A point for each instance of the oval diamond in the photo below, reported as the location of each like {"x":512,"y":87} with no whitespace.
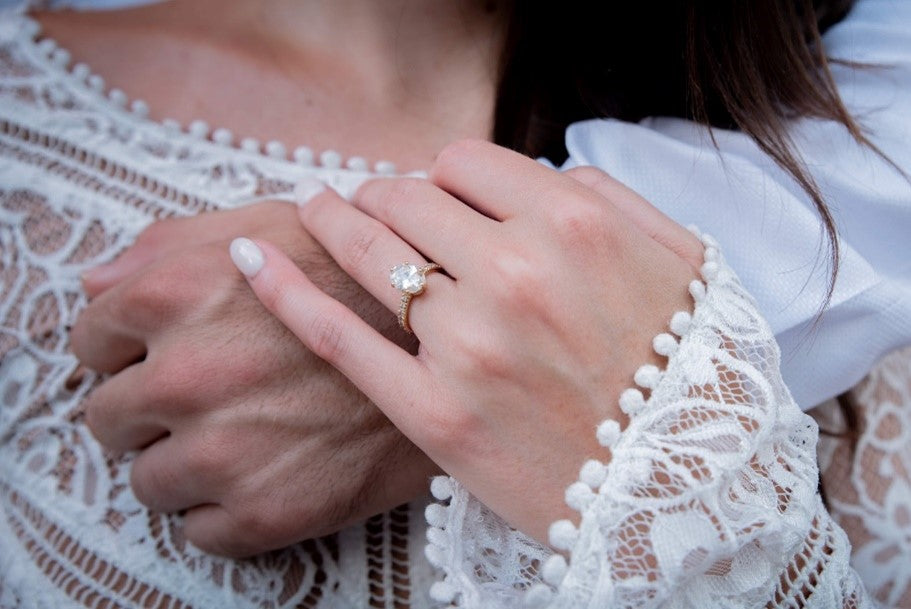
{"x":407,"y":278}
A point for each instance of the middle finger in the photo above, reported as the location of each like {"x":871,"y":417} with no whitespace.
{"x":441,"y":226}
{"x":365,"y":248}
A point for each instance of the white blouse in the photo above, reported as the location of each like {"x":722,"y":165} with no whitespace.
{"x":711,"y":492}
{"x":768,"y":226}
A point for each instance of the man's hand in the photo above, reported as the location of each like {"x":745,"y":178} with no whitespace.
{"x":262,"y":443}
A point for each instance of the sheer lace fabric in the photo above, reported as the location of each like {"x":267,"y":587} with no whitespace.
{"x":81,"y":176}
{"x":868,"y":485}
{"x":709,"y":498}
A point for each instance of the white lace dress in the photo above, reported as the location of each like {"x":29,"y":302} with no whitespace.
{"x":709,"y":499}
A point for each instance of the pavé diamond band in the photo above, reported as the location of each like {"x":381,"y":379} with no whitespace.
{"x":410,"y":280}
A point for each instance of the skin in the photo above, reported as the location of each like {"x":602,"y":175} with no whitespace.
{"x":394,"y":80}
{"x":527,"y":339}
{"x":200,"y":373}
{"x":224,"y":406}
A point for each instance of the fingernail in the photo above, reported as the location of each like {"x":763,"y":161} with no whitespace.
{"x":306,"y":189}
{"x":247,"y":256}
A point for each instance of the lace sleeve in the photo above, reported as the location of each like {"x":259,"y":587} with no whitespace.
{"x":709,"y":497}
{"x":865,"y":467}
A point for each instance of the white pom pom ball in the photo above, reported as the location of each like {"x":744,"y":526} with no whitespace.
{"x":554,"y":570}
{"x":681,"y":322}
{"x":435,"y":515}
{"x":648,"y":376}
{"x":593,"y":473}
{"x":579,"y":496}
{"x":697,"y":290}
{"x":443,"y":592}
{"x":664,"y":344}
{"x":538,"y":596}
{"x":563,"y":535}
{"x":709,"y":271}
{"x":631,"y":401}
{"x":609,"y":431}
{"x":441,"y":488}
{"x":434,"y":555}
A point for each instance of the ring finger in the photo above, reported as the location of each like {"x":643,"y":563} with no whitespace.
{"x":367,"y":250}
{"x":166,"y":479}
{"x":120,"y":417}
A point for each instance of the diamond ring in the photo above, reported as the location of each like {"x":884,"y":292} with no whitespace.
{"x":410,"y":280}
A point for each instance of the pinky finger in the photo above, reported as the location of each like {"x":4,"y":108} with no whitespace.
{"x":391,"y":377}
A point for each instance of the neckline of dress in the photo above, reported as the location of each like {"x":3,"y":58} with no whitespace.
{"x":137,"y":109}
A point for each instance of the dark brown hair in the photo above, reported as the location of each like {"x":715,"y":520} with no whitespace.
{"x":750,"y":65}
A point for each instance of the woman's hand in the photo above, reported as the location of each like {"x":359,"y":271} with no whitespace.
{"x":235,"y":421}
{"x":554,"y":286}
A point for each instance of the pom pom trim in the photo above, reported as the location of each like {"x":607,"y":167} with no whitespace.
{"x":563,"y":534}
{"x":59,"y":58}
{"x":580,"y":495}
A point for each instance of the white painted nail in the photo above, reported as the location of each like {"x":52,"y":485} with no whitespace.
{"x":306,"y":189}
{"x":247,"y":256}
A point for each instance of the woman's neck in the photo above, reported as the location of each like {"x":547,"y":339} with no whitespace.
{"x":395,"y":48}
{"x":393,"y":78}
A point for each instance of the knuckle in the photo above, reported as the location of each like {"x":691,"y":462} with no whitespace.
{"x":483,"y":359}
{"x":257,"y":527}
{"x":81,"y":333}
{"x":590,"y":176}
{"x":175,"y":379}
{"x":360,"y":246}
{"x":452,"y":430}
{"x":327,"y":338}
{"x":578,"y":223}
{"x":147,"y":483}
{"x":168,"y":291}
{"x":209,"y":454}
{"x":395,"y":193}
{"x":454,"y":155}
{"x":517,"y":279}
{"x":149,"y":301}
{"x":97,"y":418}
{"x":230,"y":543}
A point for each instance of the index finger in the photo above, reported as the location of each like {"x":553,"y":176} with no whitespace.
{"x":393,"y":379}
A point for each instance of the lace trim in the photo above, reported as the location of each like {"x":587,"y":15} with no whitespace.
{"x":58,"y":58}
{"x":80,"y":180}
{"x":57,"y":554}
{"x":709,"y":498}
{"x":97,"y":172}
{"x":563,"y":534}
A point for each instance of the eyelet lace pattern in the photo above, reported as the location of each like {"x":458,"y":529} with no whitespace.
{"x":867,"y":477}
{"x":709,"y":498}
{"x":82,"y":172}
{"x":716,"y":451}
